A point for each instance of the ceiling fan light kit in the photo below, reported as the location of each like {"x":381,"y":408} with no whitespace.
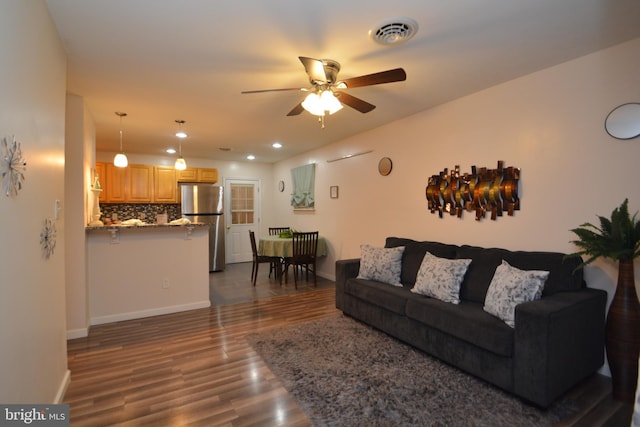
{"x":318,"y":104}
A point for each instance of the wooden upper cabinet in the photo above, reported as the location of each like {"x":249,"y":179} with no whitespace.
{"x":187,"y":175}
{"x":207,"y":175}
{"x":197,"y":175}
{"x":146,"y":183}
{"x":114,"y":188}
{"x":164,"y":184}
{"x":139,"y":184}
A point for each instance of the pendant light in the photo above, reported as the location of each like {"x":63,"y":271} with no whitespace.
{"x":120,"y":160}
{"x":180,"y":163}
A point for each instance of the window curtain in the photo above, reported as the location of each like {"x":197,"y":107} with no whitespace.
{"x":303,"y":179}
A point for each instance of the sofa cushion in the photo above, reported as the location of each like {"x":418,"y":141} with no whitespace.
{"x":381,"y":264}
{"x":379,"y":294}
{"x":466,"y":321}
{"x":414,"y":254}
{"x":441,"y":278}
{"x":562,"y":276}
{"x":511,"y":286}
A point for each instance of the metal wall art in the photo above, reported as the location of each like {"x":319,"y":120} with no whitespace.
{"x":482,"y":191}
{"x":48,"y":237}
{"x":12,"y":167}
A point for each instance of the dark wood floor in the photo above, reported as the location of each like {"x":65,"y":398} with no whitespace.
{"x":195,"y":367}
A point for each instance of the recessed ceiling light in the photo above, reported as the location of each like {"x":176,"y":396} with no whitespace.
{"x":394,"y":31}
{"x":171,"y":150}
{"x":251,"y":157}
{"x":276,"y":145}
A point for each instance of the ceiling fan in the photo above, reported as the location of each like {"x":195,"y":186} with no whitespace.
{"x":326,"y":91}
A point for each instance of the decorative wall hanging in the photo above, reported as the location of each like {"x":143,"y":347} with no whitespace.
{"x":303,"y":182}
{"x":384,"y":166}
{"x":481,"y":191}
{"x":333,"y":191}
{"x":48,"y":237}
{"x":12,"y":167}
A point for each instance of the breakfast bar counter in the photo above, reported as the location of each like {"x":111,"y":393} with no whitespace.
{"x":138,"y":271}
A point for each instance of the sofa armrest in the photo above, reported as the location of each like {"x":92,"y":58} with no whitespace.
{"x":559,"y":340}
{"x":345,"y":269}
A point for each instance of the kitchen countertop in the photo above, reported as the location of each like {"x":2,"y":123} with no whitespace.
{"x":120,"y":227}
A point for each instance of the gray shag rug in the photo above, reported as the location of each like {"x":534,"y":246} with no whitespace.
{"x":345,"y":373}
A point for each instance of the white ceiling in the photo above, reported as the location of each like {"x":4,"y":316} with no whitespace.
{"x":163,"y":60}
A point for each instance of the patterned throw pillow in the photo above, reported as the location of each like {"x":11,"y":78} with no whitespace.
{"x":511,"y":286}
{"x":441,"y":277}
{"x":381,"y":264}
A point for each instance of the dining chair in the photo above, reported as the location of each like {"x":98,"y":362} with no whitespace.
{"x":260,"y":259}
{"x":275,"y":231}
{"x":305,"y":247}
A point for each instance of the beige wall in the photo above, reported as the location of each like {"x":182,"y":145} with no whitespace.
{"x":80,"y":160}
{"x":33,"y":359}
{"x":550,"y":124}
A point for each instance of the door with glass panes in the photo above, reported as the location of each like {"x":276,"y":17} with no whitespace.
{"x":242,"y":201}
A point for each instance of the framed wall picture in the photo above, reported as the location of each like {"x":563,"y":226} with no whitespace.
{"x":333,"y":191}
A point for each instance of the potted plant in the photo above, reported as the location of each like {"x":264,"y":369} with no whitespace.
{"x":618,"y":239}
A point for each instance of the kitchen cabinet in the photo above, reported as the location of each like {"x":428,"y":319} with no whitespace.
{"x":164,"y":184}
{"x":114,"y":187}
{"x":207,"y":175}
{"x":187,"y":175}
{"x":147,"y":183}
{"x":139,"y":184}
{"x":198,"y":175}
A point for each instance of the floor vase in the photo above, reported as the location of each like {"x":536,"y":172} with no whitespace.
{"x":623,"y":335}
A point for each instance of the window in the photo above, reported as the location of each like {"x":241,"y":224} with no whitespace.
{"x":242,"y":204}
{"x":303,"y":179}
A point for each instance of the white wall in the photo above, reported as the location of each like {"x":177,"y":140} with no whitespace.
{"x":549,"y":124}
{"x":33,"y":359}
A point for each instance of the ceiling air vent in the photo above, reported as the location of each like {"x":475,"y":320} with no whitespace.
{"x":394,"y":31}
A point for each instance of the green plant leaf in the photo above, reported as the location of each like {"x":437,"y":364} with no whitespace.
{"x":617,"y":238}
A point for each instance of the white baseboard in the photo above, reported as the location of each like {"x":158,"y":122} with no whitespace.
{"x":148,"y":313}
{"x":77,"y":333}
{"x":66,"y":379}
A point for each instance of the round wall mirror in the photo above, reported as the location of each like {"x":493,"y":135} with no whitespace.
{"x":624,"y":121}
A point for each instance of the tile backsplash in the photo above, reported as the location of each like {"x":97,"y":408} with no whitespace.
{"x":144,"y":212}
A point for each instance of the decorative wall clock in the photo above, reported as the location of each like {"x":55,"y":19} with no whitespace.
{"x":12,"y":167}
{"x":48,"y":237}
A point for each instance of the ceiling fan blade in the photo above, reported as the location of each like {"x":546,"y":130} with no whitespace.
{"x":353,"y":102}
{"x":296,"y":110}
{"x":389,"y":76}
{"x":314,"y":68}
{"x":303,"y":89}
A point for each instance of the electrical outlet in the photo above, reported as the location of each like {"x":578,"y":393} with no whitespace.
{"x":166,"y":284}
{"x":114,"y":216}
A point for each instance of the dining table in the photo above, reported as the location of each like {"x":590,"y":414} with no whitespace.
{"x":283,"y":246}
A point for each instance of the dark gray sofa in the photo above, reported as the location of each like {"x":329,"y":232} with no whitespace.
{"x":557,"y":341}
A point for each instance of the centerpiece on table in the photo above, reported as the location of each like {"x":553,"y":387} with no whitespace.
{"x":618,"y":238}
{"x":286,"y":234}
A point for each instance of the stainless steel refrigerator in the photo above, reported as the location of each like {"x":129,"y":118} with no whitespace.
{"x":203,"y":203}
